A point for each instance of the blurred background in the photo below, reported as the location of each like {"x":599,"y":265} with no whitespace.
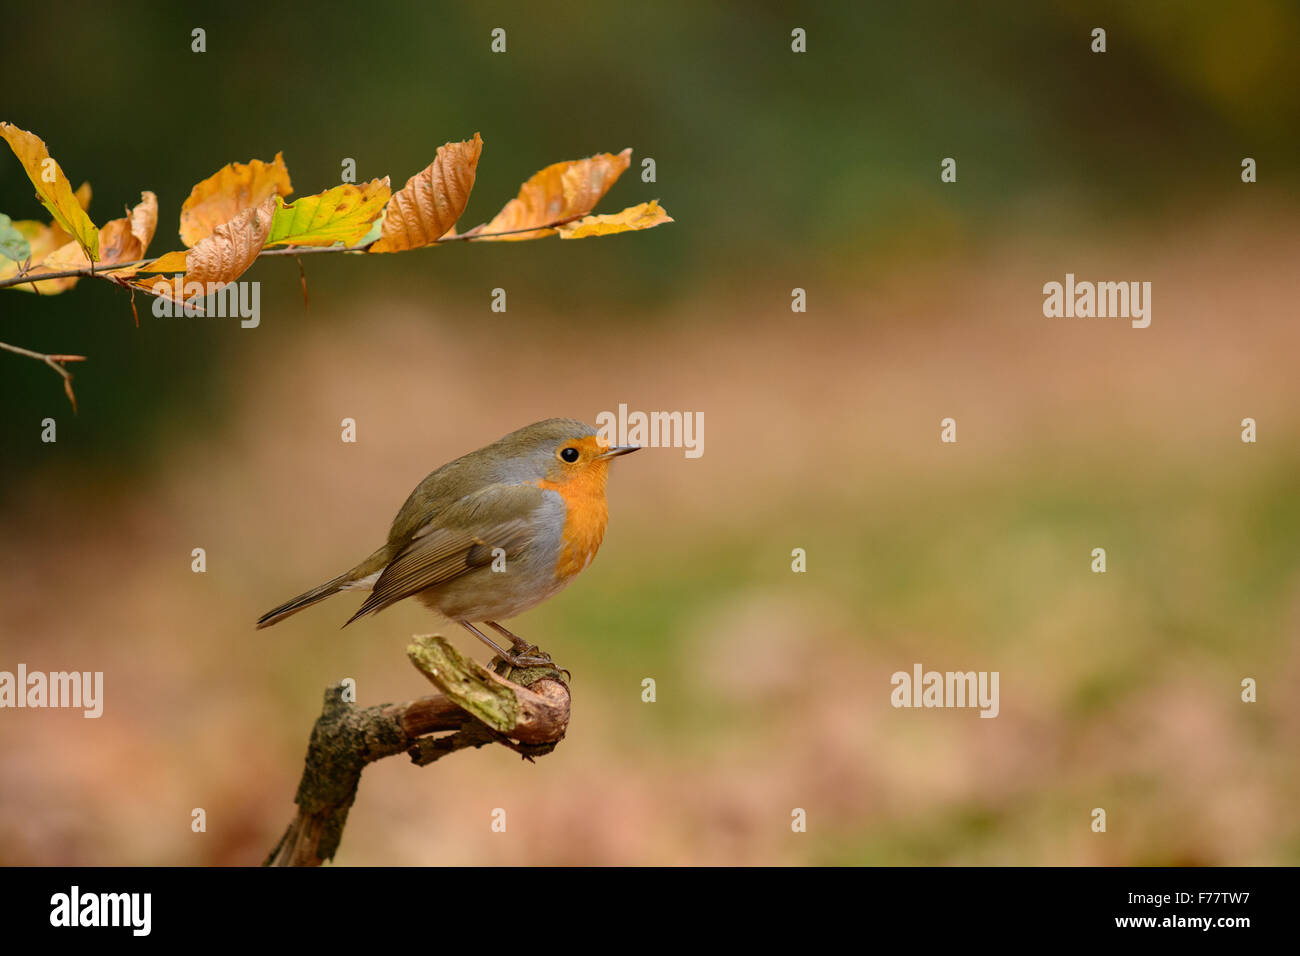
{"x":820,"y":171}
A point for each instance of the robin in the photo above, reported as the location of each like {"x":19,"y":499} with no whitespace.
{"x":490,"y":535}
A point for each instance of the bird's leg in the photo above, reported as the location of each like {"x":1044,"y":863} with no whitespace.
{"x":505,"y":654}
{"x":515,"y":659}
{"x":531,"y":654}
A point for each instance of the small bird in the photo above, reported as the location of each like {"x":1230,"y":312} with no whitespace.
{"x":491,"y":534}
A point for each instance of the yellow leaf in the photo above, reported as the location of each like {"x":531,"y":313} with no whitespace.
{"x":645,"y":216}
{"x":560,"y":191}
{"x":171,"y":262}
{"x":52,"y":187}
{"x":121,"y":240}
{"x":342,"y":214}
{"x":51,"y":236}
{"x":432,"y":200}
{"x":229,"y":191}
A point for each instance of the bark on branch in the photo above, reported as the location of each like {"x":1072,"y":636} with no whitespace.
{"x":528,"y":713}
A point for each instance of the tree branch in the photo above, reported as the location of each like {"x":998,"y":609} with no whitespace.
{"x":99,"y":271}
{"x":477,"y":706}
{"x":53,"y":361}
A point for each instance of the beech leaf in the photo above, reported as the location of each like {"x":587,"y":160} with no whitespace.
{"x":428,"y":206}
{"x":214,"y":262}
{"x":645,"y":216}
{"x":558,"y":192}
{"x":342,"y":214}
{"x":225,"y":255}
{"x":120,"y":240}
{"x":231,"y":190}
{"x":52,"y":187}
{"x":171,"y":262}
{"x":13,"y":244}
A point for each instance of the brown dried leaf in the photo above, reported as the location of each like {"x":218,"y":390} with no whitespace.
{"x":559,"y":192}
{"x":229,"y":191}
{"x":225,"y":255}
{"x":427,"y":207}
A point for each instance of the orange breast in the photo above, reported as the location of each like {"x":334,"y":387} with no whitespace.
{"x":586,"y":513}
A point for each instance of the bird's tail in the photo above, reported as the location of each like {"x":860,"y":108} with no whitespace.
{"x":355,"y":579}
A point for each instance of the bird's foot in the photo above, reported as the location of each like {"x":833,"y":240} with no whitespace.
{"x":530,"y":655}
{"x":526,"y":656}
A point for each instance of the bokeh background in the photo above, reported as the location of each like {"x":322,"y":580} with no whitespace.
{"x":819,"y":171}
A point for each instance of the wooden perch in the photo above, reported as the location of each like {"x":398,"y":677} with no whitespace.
{"x":477,"y":706}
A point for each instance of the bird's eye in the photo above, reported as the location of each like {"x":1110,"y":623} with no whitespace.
{"x":569,"y":454}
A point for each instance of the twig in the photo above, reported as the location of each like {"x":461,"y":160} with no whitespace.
{"x":476,"y":705}
{"x":84,"y":272}
{"x":104,"y":272}
{"x":54,"y":362}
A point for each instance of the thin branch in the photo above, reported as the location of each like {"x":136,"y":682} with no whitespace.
{"x":477,"y":706}
{"x":103,"y":272}
{"x":54,"y":362}
{"x":85,"y":272}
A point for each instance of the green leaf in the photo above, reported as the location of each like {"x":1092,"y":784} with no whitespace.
{"x":342,"y":214}
{"x":13,"y":245}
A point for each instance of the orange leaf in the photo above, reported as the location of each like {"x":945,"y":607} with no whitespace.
{"x":560,"y":191}
{"x":633,"y":218}
{"x":121,"y":240}
{"x":229,"y":191}
{"x":171,"y":262}
{"x":432,"y":200}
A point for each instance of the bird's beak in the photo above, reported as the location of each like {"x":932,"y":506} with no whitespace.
{"x":618,"y":450}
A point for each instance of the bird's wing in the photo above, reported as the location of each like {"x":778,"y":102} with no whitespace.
{"x":459,"y":539}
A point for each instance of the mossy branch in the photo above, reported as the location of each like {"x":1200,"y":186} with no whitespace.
{"x":529,"y":713}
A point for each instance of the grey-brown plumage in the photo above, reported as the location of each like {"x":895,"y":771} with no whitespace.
{"x":443,"y":541}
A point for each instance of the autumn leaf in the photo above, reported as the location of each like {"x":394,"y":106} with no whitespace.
{"x":13,"y":244}
{"x":231,"y":190}
{"x":342,"y":214}
{"x":645,"y":216}
{"x":51,"y":237}
{"x":127,"y":240}
{"x":171,"y":262}
{"x":560,"y":191}
{"x":43,"y":239}
{"x":39,"y":238}
{"x":121,"y":240}
{"x":233,"y":246}
{"x":427,"y":207}
{"x":219,"y":259}
{"x":52,"y":187}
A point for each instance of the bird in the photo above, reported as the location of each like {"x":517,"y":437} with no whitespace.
{"x":489,"y":535}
